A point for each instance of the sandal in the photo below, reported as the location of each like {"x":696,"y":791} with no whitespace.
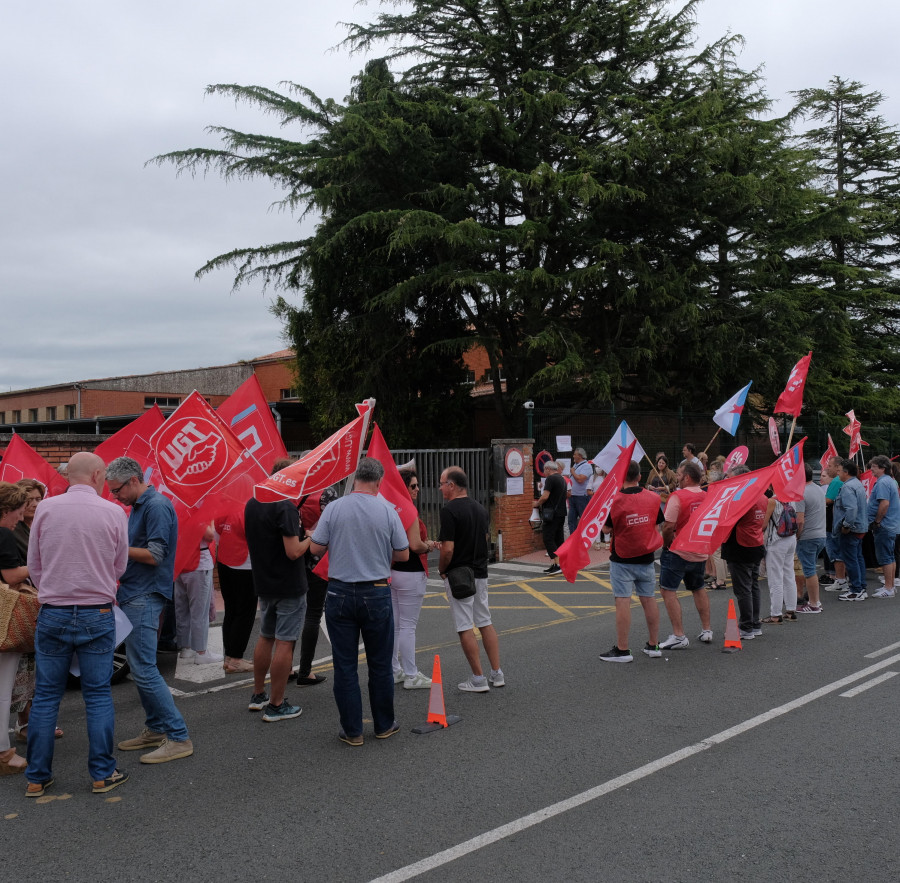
{"x":7,"y":767}
{"x":790,"y":616}
{"x":22,"y":732}
{"x":233,"y":666}
{"x":37,"y":789}
{"x":772,"y":619}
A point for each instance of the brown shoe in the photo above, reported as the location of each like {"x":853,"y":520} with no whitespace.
{"x":147,"y":739}
{"x":37,"y":789}
{"x":169,"y":750}
{"x":11,"y":763}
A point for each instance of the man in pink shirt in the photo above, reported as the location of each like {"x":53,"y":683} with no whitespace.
{"x":77,"y":551}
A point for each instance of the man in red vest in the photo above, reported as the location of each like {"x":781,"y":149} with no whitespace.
{"x":633,"y":519}
{"x":687,"y":566}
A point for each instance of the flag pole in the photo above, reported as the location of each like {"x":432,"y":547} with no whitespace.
{"x":369,"y":404}
{"x":787,"y":447}
{"x":706,"y":449}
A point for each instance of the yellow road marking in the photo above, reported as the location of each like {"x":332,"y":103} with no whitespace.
{"x":544,"y":599}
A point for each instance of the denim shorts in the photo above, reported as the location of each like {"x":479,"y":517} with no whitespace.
{"x":674,"y":569}
{"x":808,"y":550}
{"x":884,"y":546}
{"x":281,"y":618}
{"x":632,"y":579}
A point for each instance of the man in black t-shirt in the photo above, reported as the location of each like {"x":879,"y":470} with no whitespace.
{"x":552,"y":507}
{"x":464,"y":543}
{"x":279,"y":576}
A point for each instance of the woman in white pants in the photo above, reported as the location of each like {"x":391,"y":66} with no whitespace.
{"x":780,"y":567}
{"x":408,"y":581}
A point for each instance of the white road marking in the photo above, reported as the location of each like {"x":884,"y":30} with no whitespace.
{"x":542,"y":815}
{"x":869,"y":684}
{"x":876,"y":653}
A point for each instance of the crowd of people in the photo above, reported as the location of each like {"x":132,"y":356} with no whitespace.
{"x":289,"y":562}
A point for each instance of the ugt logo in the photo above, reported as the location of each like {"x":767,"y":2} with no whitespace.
{"x":192,"y":453}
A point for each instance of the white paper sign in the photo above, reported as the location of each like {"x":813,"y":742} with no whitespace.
{"x":564,"y":443}
{"x":515,"y":487}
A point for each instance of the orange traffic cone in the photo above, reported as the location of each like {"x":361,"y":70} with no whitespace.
{"x":438,"y":719}
{"x":732,"y":634}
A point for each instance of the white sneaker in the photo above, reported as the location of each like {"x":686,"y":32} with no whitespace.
{"x":470,"y":686}
{"x":674,"y":642}
{"x":884,"y":593}
{"x":839,"y":585}
{"x":418,"y":681}
{"x":705,"y":637}
{"x":399,"y":677}
{"x":497,"y":679}
{"x":186,"y":653}
{"x":207,"y":657}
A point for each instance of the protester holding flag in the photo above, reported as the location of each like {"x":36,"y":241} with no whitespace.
{"x":850,"y":524}
{"x":884,"y":521}
{"x":408,"y":583}
{"x":582,"y":474}
{"x":743,"y":549}
{"x":663,"y":480}
{"x":687,"y":566}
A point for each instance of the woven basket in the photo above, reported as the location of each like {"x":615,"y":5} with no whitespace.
{"x":18,"y":619}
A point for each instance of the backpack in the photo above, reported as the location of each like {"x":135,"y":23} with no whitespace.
{"x":786,"y":520}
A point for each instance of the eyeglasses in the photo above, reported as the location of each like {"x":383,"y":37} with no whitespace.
{"x":442,"y":483}
{"x":414,"y":487}
{"x":116,"y":490}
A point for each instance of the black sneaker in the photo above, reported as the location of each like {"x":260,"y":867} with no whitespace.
{"x":553,"y":568}
{"x":826,"y":580}
{"x":258,"y":701}
{"x":283,"y":712}
{"x":652,"y":650}
{"x":617,"y":655}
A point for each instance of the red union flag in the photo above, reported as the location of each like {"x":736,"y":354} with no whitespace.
{"x":393,"y":488}
{"x":868,"y":481}
{"x":726,"y":501}
{"x":195,"y":450}
{"x":830,"y":451}
{"x":331,"y":461}
{"x":789,"y":479}
{"x":247,"y":413}
{"x":20,"y":460}
{"x":573,"y":553}
{"x":791,"y":400}
{"x":854,"y":426}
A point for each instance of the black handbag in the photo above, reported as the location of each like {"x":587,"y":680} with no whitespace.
{"x":462,"y":582}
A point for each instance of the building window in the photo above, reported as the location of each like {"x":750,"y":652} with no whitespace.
{"x":32,"y":415}
{"x":288,"y":394}
{"x":51,"y":412}
{"x":162,"y":401}
{"x":17,"y":416}
{"x":2,"y":416}
{"x":70,"y":412}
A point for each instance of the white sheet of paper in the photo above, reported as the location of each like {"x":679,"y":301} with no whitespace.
{"x":515,"y":487}
{"x":567,"y":466}
{"x":564,"y":443}
{"x":123,"y":630}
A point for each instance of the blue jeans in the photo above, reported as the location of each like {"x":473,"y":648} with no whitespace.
{"x":351,"y":610}
{"x":140,"y":649}
{"x":852,"y":556}
{"x":577,"y":505}
{"x":62,"y":631}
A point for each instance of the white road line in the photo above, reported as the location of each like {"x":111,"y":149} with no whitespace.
{"x":869,"y":684}
{"x":542,"y":815}
{"x":876,"y":653}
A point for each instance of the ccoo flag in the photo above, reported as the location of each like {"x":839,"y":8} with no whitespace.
{"x":729,"y":415}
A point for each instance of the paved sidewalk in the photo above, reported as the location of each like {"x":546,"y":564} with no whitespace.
{"x":598,"y":557}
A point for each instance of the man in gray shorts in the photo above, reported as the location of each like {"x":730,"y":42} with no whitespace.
{"x":463,"y":538}
{"x":279,"y":576}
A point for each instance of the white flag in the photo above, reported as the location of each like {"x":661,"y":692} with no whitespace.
{"x":621,"y":439}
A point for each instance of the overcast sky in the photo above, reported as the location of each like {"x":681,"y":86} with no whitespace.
{"x":98,"y":253}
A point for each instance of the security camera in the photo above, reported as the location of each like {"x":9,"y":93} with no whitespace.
{"x":529,"y":405}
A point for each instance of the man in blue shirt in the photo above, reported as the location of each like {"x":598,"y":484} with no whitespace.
{"x":884,"y":521}
{"x":143,"y":590}
{"x":850,"y":524}
{"x":581,"y":473}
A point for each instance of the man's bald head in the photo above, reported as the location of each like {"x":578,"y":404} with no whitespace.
{"x":87,"y":468}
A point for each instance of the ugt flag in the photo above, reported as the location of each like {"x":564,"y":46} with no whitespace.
{"x":622,"y":438}
{"x":729,"y":415}
{"x":573,"y":553}
{"x":726,"y":501}
{"x":791,"y":400}
{"x":789,"y":479}
{"x":331,"y":461}
{"x":247,"y":413}
{"x":20,"y":460}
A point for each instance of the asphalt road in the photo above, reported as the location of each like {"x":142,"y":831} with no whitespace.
{"x":697,"y":766}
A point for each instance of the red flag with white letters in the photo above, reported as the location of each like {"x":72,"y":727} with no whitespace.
{"x":830,"y":451}
{"x":329,"y":463}
{"x":573,"y":553}
{"x":791,"y":400}
{"x":789,"y":480}
{"x":249,"y":417}
{"x":20,"y":460}
{"x":726,"y":501}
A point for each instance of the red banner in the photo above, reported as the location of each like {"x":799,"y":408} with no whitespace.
{"x":726,"y":501}
{"x":738,"y":456}
{"x":329,"y":463}
{"x":393,"y":488}
{"x":789,"y":480}
{"x":20,"y":460}
{"x":249,"y":417}
{"x":830,"y":451}
{"x":791,"y":400}
{"x":774,"y":439}
{"x":573,"y":553}
{"x":868,"y":482}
